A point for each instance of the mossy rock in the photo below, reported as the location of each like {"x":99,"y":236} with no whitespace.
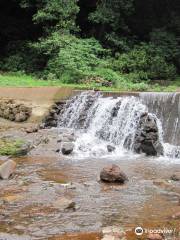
{"x":13,"y":147}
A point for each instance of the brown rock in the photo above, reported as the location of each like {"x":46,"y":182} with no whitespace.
{"x":7,"y":168}
{"x":113,"y":173}
{"x":21,"y":117}
{"x":32,"y":130}
{"x":155,"y":236}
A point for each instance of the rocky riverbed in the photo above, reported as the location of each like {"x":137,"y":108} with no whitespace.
{"x":55,"y":196}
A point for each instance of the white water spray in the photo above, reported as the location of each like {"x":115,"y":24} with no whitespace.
{"x":102,"y":121}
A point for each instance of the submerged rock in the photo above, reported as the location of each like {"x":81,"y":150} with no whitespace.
{"x":113,"y":173}
{"x":176,"y":176}
{"x":147,"y":137}
{"x":67,"y":148}
{"x":7,"y":168}
{"x":64,"y":203}
{"x":66,"y":138}
{"x":110,"y":148}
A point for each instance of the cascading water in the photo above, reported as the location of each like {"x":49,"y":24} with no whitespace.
{"x":166,"y":106}
{"x":101,"y":121}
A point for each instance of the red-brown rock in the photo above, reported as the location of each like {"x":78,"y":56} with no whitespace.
{"x":113,"y":173}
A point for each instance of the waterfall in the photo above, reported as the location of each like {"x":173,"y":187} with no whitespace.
{"x":166,"y":106}
{"x":106,"y":120}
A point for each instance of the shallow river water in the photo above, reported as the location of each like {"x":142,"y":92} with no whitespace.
{"x":29,"y":200}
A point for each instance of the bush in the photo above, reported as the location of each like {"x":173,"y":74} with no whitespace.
{"x":106,"y":73}
{"x":13,"y":63}
{"x":147,"y":61}
{"x":21,"y":57}
{"x":70,"y":58}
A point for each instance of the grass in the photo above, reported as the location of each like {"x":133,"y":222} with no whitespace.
{"x":23,"y":80}
{"x":9,"y":147}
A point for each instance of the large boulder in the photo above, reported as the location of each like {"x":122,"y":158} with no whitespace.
{"x":67,"y":148}
{"x":7,"y":168}
{"x":112,"y":174}
{"x":147,"y":136}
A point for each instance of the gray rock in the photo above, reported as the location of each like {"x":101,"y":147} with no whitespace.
{"x":64,"y":204}
{"x":147,"y":137}
{"x":113,"y":173}
{"x":24,"y":149}
{"x":110,"y":148}
{"x":7,"y":168}
{"x":67,"y":148}
{"x":66,"y":138}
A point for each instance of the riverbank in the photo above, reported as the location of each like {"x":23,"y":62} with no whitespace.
{"x":23,"y":80}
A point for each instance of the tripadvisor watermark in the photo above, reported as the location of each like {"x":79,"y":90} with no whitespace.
{"x":140,"y":231}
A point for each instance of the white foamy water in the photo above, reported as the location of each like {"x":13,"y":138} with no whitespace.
{"x":101,"y":121}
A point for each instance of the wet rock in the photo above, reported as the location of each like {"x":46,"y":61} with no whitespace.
{"x":67,"y":148}
{"x":110,"y":148}
{"x":32,"y":130}
{"x":154,"y":236}
{"x":24,"y":149}
{"x":176,"y":216}
{"x":176,"y":176}
{"x":51,"y":120}
{"x":64,"y":203}
{"x":7,"y":169}
{"x":13,"y":111}
{"x":113,"y":173}
{"x":66,"y":138}
{"x":147,"y":137}
{"x":81,"y":121}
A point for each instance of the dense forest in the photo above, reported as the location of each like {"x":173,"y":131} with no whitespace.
{"x":112,"y":42}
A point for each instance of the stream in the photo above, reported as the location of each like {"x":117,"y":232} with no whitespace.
{"x":29,"y":201}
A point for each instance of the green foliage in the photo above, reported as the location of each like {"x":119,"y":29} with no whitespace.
{"x":67,"y":40}
{"x":147,"y":61}
{"x":112,"y":16}
{"x":21,"y":57}
{"x":106,"y":74}
{"x":168,"y":43}
{"x":70,"y":58}
{"x":57,"y":15}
